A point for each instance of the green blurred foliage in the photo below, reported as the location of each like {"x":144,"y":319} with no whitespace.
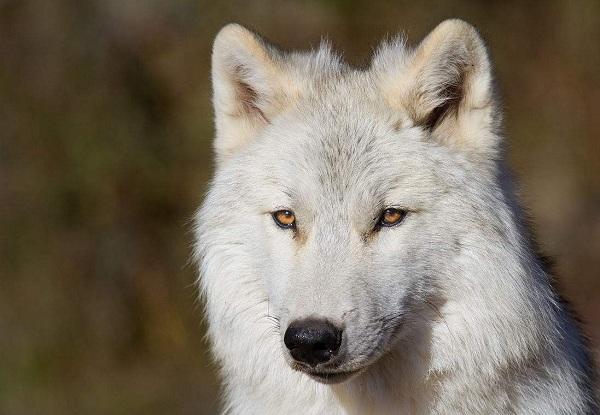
{"x":105,"y":151}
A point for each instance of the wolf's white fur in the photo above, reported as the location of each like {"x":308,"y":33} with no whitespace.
{"x":451,"y":312}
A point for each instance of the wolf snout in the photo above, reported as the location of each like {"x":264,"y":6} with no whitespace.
{"x":312,"y":341}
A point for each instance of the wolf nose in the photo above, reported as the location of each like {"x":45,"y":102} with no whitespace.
{"x":312,"y":341}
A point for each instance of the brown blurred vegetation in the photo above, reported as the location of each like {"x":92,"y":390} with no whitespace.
{"x":105,"y":139}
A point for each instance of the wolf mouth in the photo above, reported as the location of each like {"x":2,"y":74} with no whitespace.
{"x":331,"y":378}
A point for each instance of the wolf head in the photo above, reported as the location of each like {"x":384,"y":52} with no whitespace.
{"x":343,"y":197}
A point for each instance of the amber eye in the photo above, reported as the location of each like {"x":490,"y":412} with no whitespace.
{"x":285,"y":219}
{"x":391,"y":217}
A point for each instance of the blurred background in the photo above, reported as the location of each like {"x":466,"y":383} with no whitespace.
{"x":105,"y":152}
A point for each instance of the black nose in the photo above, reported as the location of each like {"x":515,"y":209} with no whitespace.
{"x":312,"y":341}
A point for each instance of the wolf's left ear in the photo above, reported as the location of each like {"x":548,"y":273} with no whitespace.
{"x":444,"y":86}
{"x":248,"y":87}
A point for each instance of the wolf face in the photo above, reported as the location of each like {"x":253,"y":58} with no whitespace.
{"x":341,"y":170}
{"x":341,"y":196}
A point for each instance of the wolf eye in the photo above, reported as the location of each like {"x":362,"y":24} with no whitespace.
{"x":391,"y":217}
{"x":284,"y":219}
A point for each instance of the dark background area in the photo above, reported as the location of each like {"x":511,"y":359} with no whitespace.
{"x":105,"y":152}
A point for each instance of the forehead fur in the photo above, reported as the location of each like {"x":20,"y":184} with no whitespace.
{"x":335,"y":149}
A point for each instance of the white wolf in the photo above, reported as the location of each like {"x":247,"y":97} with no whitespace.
{"x":361,"y":249}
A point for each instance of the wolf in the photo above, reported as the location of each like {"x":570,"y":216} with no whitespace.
{"x":361,"y":248}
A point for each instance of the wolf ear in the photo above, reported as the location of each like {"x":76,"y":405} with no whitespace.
{"x":445,"y":86}
{"x":247,"y":87}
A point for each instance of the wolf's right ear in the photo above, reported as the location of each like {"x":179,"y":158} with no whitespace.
{"x":247,"y":87}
